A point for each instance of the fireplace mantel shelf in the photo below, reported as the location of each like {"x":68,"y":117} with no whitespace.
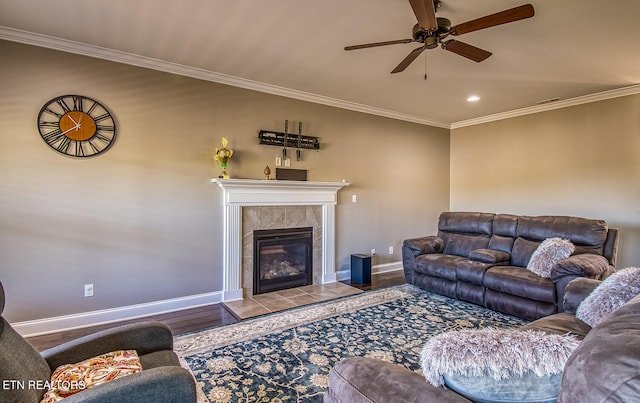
{"x":251,"y":192}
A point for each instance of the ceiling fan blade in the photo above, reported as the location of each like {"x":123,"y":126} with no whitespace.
{"x":503,"y":17}
{"x":466,"y":50}
{"x":425,"y":12}
{"x":409,"y":59}
{"x":374,"y":44}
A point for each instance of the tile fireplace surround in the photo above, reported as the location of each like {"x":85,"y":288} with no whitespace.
{"x":318,"y":199}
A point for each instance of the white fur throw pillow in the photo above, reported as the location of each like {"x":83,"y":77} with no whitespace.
{"x":615,"y":291}
{"x":548,"y":253}
{"x":500,"y":354}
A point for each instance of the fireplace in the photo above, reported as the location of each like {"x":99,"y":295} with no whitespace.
{"x":239,"y":195}
{"x":282,"y":258}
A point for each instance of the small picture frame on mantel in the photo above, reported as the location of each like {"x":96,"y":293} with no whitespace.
{"x":289,"y":174}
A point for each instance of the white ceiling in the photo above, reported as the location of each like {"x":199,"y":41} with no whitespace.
{"x":569,"y":49}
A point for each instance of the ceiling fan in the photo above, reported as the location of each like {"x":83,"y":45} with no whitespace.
{"x":432,"y":31}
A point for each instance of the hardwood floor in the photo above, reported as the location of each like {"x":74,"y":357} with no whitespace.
{"x":190,"y":320}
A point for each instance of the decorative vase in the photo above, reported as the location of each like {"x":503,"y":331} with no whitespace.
{"x":224,"y":174}
{"x":223,"y":155}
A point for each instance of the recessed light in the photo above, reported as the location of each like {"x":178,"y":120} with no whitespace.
{"x":473,"y":98}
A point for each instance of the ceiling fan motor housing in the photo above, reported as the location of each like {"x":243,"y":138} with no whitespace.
{"x":431,"y":39}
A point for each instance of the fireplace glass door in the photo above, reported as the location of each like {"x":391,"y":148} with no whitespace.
{"x":282,"y":258}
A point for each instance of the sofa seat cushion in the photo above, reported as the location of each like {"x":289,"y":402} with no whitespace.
{"x":470,"y":271}
{"x":162,"y":358}
{"x":521,"y":282}
{"x":438,"y":265}
{"x":560,"y":323}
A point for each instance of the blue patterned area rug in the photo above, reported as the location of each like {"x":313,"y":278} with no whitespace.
{"x":286,"y":357}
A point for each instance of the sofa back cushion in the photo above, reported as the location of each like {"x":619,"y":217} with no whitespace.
{"x":463,"y":244}
{"x":586,"y":234}
{"x":505,"y":228}
{"x":463,"y":232}
{"x":463,"y":222}
{"x":522,"y":250}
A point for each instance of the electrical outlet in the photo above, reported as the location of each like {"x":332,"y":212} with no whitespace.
{"x":278,"y":161}
{"x":287,"y":162}
{"x":88,"y":290}
{"x":391,"y":250}
{"x":373,"y":252}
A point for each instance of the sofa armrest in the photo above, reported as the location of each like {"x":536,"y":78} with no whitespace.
{"x":491,"y":256}
{"x":582,"y":265}
{"x":367,"y":380}
{"x":577,"y":290}
{"x":427,"y":244}
{"x":411,"y":248}
{"x":158,"y":385}
{"x":144,"y":337}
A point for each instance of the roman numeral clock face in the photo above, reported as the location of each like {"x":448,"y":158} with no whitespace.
{"x":77,"y":126}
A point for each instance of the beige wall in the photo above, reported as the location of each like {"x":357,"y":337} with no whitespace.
{"x":583,"y":160}
{"x":142,"y":222}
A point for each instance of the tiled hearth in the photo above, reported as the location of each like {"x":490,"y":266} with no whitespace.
{"x":276,"y":301}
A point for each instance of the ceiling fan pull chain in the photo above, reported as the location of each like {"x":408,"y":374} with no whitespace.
{"x":425,"y":66}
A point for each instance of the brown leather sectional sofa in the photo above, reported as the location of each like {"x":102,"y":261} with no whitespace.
{"x":482,"y":258}
{"x":604,"y":368}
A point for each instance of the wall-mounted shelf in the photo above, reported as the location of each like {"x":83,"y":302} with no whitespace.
{"x":292,"y":140}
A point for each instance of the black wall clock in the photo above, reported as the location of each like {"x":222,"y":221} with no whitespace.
{"x":77,"y":126}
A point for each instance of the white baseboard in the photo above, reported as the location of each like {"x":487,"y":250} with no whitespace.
{"x":85,"y":319}
{"x":387,"y":267}
{"x":375,"y":269}
{"x":68,"y":322}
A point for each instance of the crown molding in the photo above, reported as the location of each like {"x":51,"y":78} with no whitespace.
{"x":600,"y":96}
{"x":30,"y":38}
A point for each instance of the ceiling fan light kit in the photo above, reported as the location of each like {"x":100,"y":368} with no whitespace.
{"x":431,"y":31}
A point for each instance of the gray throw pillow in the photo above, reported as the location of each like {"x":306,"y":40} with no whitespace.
{"x":548,"y":253}
{"x":615,"y":291}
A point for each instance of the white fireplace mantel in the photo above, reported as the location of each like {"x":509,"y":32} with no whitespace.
{"x":250,"y":192}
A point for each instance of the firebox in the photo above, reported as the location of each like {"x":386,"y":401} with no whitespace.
{"x":282,"y":258}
